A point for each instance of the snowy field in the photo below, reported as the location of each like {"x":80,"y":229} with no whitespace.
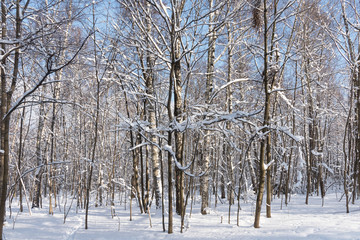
{"x":295,"y":221}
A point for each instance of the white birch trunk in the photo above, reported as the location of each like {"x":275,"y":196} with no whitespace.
{"x":151,"y":108}
{"x":204,"y":180}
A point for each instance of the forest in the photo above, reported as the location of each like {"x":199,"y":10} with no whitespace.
{"x":158,"y":104}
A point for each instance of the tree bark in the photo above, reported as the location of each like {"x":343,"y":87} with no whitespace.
{"x":204,"y":179}
{"x":96,"y":123}
{"x":39,"y":157}
{"x":178,"y":102}
{"x":266,"y":122}
{"x":151,"y":108}
{"x":229,"y":105}
{"x":4,"y":153}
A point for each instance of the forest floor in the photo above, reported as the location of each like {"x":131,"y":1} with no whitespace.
{"x":294,"y":221}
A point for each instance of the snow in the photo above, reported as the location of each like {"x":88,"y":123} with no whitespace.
{"x":169,"y":149}
{"x":316,"y":153}
{"x":327,"y":168}
{"x":287,"y":132}
{"x":267,"y":165}
{"x":178,"y":165}
{"x":295,"y":221}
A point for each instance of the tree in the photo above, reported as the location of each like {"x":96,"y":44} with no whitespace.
{"x":204,"y":179}
{"x":266,"y":121}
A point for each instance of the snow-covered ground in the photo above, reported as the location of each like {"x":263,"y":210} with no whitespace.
{"x":295,"y":221}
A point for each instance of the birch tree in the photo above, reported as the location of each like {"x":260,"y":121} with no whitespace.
{"x":204,"y":180}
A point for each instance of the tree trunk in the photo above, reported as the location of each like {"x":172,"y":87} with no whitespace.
{"x":287,"y":184}
{"x":170,"y":157}
{"x":178,"y":102}
{"x":204,"y":179}
{"x":96,"y":123}
{"x":268,"y":175}
{"x":20,"y":157}
{"x":4,"y":126}
{"x":151,"y":108}
{"x":229,"y":103}
{"x":266,"y":122}
{"x":39,"y":157}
